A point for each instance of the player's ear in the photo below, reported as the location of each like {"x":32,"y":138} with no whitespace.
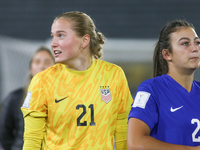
{"x":166,"y":54}
{"x":86,"y":40}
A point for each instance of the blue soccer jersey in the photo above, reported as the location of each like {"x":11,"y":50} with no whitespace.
{"x":170,"y":111}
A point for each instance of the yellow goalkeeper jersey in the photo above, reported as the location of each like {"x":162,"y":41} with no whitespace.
{"x":79,"y":108}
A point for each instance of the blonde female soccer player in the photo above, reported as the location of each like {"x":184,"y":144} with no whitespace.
{"x":82,"y":102}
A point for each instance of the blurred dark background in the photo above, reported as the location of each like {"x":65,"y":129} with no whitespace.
{"x":31,"y":19}
{"x":131,"y":27}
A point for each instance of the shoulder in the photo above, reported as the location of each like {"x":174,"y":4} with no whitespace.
{"x":54,"y":68}
{"x":151,"y":82}
{"x":155,"y":83}
{"x":47,"y":76}
{"x":51,"y":71}
{"x":109,"y":70}
{"x":107,"y":65}
{"x":197,"y":83}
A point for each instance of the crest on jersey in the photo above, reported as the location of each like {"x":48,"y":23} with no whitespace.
{"x":105,"y":93}
{"x":27,"y":100}
{"x":141,"y":99}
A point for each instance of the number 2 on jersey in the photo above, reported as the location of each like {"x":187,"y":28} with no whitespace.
{"x":84,"y":123}
{"x":194,"y":138}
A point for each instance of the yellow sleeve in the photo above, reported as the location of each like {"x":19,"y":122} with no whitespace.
{"x":121,"y":132}
{"x":122,"y":117}
{"x":35,"y":126}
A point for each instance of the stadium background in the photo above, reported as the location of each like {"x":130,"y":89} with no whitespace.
{"x":131,"y":27}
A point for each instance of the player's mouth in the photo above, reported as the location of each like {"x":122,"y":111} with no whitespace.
{"x":56,"y":53}
{"x":195,"y":58}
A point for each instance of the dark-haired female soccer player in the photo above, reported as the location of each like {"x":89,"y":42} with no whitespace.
{"x":165,"y":114}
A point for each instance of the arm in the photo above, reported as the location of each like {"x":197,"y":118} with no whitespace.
{"x":121,"y":131}
{"x":122,"y":118}
{"x":138,"y":137}
{"x":34,"y":111}
{"x":35,"y":127}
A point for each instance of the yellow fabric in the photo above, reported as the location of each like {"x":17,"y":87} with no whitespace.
{"x":78,"y":114}
{"x":34,"y":129}
{"x":120,"y":134}
{"x":121,"y":131}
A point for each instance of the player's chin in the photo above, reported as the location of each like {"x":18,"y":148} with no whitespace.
{"x":194,"y":67}
{"x":58,"y":60}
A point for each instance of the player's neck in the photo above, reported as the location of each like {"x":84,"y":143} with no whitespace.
{"x":184,"y":80}
{"x":80,"y":64}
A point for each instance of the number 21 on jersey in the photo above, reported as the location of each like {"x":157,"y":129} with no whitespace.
{"x":84,"y":111}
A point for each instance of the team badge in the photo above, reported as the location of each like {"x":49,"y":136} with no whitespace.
{"x":105,"y":93}
{"x":141,"y":99}
{"x":27,"y":100}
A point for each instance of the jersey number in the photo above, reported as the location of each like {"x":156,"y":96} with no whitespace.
{"x":84,"y":123}
{"x":194,"y":138}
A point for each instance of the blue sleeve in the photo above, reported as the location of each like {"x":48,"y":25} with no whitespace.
{"x":144,"y":106}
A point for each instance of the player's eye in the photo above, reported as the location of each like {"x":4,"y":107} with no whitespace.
{"x":60,"y":35}
{"x":185,"y":43}
{"x":197,"y":43}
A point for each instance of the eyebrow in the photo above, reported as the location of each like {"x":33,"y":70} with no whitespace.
{"x":185,"y":38}
{"x":58,"y":32}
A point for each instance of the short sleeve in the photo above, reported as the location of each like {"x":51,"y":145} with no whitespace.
{"x":36,"y":99}
{"x":145,"y":106}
